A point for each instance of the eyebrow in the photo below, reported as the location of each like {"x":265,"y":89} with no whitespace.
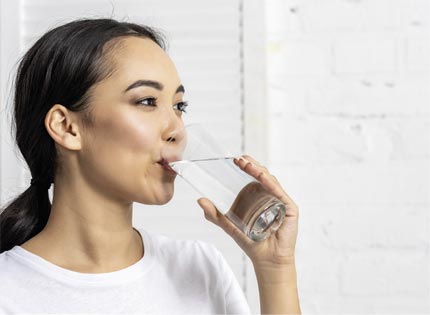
{"x":153,"y":84}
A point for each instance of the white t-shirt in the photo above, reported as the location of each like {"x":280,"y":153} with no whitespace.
{"x":173,"y":277}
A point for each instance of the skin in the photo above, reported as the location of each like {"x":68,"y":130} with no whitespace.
{"x":106,"y":167}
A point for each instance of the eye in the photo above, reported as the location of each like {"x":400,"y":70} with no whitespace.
{"x":150,"y":101}
{"x":181,"y":106}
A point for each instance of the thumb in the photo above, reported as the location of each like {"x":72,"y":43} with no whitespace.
{"x":213,"y":215}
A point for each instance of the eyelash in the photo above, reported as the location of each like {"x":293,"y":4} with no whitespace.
{"x":182,"y":104}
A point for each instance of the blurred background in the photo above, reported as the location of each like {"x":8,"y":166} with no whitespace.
{"x":332,"y":96}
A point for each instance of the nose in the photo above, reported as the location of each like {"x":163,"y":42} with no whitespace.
{"x":175,"y":135}
{"x":174,"y":141}
{"x":173,"y":130}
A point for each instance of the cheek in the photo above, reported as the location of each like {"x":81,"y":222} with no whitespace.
{"x":144,"y":136}
{"x":132,"y":132}
{"x":122,"y":146}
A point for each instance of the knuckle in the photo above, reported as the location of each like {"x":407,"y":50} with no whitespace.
{"x":234,"y":232}
{"x":248,"y":164}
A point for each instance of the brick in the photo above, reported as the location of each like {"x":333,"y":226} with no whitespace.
{"x":388,"y":183}
{"x":385,"y":273}
{"x":309,"y":141}
{"x":366,"y":56}
{"x":412,"y":141}
{"x":334,"y":15}
{"x":343,"y":141}
{"x":284,"y":18}
{"x":369,"y":94}
{"x":353,"y":227}
{"x":341,"y":15}
{"x":317,"y":270}
{"x":414,"y":16}
{"x":290,"y":101}
{"x":417,"y":55}
{"x":380,"y":15}
{"x":298,"y":58}
{"x":329,"y":304}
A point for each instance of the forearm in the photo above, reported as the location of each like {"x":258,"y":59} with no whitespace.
{"x":278,"y":289}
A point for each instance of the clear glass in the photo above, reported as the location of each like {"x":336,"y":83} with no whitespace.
{"x":208,"y":167}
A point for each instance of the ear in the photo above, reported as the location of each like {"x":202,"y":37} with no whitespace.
{"x":62,"y":126}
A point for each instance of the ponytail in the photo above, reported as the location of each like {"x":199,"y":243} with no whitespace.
{"x":24,"y":217}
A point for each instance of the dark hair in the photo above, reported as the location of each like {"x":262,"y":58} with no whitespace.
{"x":60,"y":68}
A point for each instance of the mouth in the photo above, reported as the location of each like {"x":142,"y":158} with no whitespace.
{"x":165,"y":165}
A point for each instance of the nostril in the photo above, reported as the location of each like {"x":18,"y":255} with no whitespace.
{"x":171,"y":139}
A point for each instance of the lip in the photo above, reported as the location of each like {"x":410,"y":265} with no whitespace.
{"x":164,"y":164}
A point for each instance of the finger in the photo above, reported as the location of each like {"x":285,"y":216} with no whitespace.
{"x":255,"y":162}
{"x":269,"y":182}
{"x":263,"y":168}
{"x":216,"y":217}
{"x":261,"y":174}
{"x":252,"y":160}
{"x":209,"y":209}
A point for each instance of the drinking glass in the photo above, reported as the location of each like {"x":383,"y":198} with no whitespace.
{"x":208,"y":167}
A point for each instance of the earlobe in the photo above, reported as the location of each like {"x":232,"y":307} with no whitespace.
{"x":61,"y":125}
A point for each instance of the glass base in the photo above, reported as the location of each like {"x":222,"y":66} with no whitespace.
{"x":267,"y":222}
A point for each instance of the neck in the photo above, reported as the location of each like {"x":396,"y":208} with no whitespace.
{"x":86,"y":232}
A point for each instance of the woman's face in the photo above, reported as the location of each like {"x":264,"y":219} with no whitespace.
{"x":135,"y":111}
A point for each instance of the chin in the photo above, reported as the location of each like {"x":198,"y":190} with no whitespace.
{"x":163,"y":199}
{"x":160,"y":197}
{"x":163,"y":202}
{"x":156,"y":200}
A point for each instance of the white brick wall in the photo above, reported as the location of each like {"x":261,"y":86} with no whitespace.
{"x":349,"y":140}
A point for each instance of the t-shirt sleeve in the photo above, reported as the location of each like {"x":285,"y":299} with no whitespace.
{"x":236,"y":302}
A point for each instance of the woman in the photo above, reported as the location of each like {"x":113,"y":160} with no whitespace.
{"x":95,"y":102}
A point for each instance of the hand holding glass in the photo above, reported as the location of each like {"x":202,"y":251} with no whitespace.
{"x":208,"y":167}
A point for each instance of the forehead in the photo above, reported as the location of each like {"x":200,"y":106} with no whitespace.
{"x":140,"y":58}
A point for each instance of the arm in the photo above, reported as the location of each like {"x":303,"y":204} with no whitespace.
{"x":277,"y":288}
